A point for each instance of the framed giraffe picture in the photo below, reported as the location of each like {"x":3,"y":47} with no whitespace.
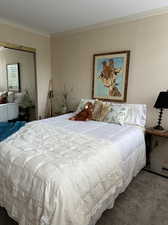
{"x":110,"y":76}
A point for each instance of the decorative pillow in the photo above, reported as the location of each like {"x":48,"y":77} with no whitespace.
{"x":104,"y":111}
{"x":116,"y":114}
{"x":83,"y":103}
{"x":98,"y":105}
{"x":135,"y":113}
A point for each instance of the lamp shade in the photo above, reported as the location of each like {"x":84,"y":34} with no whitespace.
{"x":162,"y":100}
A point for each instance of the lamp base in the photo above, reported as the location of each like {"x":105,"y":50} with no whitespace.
{"x":158,"y":127}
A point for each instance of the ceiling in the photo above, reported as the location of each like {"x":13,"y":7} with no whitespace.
{"x":54,"y":16}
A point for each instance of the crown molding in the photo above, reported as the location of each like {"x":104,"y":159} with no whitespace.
{"x":126,"y":19}
{"x":25,"y":28}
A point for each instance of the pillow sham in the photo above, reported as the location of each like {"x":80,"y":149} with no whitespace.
{"x":105,"y":110}
{"x":135,"y":113}
{"x":97,"y":110}
{"x":115,"y":115}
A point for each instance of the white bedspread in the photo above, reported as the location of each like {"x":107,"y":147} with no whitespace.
{"x":126,"y":137}
{"x":52,"y":175}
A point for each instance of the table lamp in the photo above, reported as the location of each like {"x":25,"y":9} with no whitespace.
{"x":161,"y":103}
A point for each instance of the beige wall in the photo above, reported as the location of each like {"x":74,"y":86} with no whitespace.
{"x":42,"y":44}
{"x":72,"y":57}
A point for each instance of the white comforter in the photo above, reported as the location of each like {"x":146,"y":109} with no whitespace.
{"x":53,"y":176}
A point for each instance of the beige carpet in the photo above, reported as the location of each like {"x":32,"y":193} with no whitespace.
{"x":145,"y":202}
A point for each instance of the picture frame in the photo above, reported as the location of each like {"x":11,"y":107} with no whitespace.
{"x":13,"y":77}
{"x":110,"y":76}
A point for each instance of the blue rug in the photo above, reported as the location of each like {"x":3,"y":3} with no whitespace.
{"x":9,"y":128}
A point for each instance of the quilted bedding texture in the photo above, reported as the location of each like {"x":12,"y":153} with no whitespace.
{"x":51,"y":176}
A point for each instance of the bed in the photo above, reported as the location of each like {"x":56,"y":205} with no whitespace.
{"x":62,"y":172}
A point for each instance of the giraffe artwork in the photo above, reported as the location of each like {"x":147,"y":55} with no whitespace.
{"x":110,"y":76}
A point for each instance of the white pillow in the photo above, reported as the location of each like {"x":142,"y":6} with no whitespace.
{"x":135,"y":113}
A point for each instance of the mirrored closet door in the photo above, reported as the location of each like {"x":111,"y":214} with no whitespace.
{"x":18,"y":89}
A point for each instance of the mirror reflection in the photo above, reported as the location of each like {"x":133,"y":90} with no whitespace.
{"x":17,"y":85}
{"x":13,"y":77}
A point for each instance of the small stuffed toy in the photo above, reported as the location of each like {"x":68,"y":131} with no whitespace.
{"x":85,"y":114}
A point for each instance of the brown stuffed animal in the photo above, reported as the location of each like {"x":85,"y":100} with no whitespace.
{"x":85,"y":114}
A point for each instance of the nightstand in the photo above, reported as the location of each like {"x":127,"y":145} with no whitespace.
{"x":156,"y":139}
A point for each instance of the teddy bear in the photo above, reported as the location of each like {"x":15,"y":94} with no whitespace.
{"x":85,"y":114}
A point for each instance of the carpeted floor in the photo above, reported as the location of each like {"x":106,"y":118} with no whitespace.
{"x":145,"y":202}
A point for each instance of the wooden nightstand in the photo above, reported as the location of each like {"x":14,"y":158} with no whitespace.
{"x":151,"y":137}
